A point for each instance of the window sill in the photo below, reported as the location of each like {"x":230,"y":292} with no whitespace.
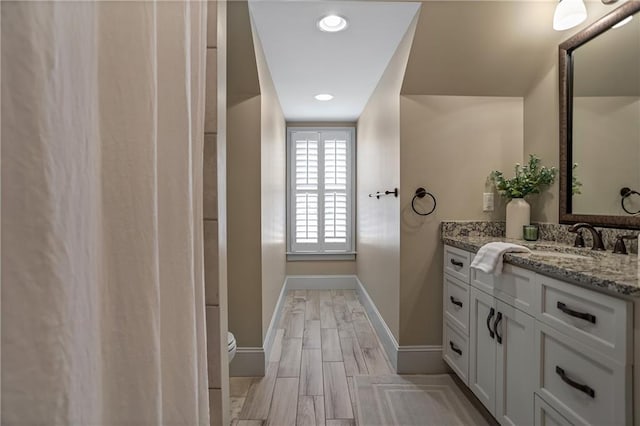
{"x":300,"y":257}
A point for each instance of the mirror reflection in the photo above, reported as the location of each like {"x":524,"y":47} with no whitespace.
{"x":605,"y":133}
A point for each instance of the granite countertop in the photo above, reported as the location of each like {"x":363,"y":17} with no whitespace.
{"x":614,"y":273}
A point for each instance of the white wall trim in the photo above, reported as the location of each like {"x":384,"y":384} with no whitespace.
{"x":273,"y":325}
{"x":321,"y":282}
{"x":248,"y":362}
{"x":388,"y":340}
{"x":426,"y":359}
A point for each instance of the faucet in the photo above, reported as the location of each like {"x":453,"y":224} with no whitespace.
{"x":597,"y":235}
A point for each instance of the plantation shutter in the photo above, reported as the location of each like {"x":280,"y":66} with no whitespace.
{"x":320,"y":201}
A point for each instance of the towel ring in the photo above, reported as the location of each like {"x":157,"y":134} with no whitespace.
{"x":626,"y":193}
{"x":420,"y":193}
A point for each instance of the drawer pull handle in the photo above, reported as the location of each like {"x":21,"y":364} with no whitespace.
{"x":495,"y":327}
{"x":457,"y":263}
{"x":455,"y":301}
{"x":492,"y":312}
{"x":582,"y":315}
{"x":455,"y":348}
{"x":583,"y":388}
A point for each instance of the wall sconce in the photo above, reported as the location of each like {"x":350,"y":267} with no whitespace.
{"x":570,"y":13}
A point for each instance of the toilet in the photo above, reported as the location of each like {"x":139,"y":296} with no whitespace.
{"x":231,"y":342}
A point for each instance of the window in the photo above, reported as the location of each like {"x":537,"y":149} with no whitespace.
{"x":320,"y":191}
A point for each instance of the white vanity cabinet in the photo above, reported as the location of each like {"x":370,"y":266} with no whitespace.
{"x":501,"y":360}
{"x":536,"y":350}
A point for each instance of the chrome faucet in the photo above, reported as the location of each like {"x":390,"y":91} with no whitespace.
{"x":597,"y":235}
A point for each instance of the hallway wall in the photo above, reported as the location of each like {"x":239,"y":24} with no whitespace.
{"x":448,"y":145}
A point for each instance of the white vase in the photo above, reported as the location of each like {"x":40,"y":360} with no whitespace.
{"x":518,"y":215}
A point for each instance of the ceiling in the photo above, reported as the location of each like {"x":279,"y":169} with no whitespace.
{"x":460,"y":48}
{"x":305,"y":61}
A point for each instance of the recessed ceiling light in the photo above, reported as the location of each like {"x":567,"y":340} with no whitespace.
{"x":332,"y":23}
{"x":324,"y":97}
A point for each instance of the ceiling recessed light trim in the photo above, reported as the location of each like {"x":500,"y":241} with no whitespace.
{"x":332,"y":23}
{"x":625,"y":21}
{"x":323,"y":97}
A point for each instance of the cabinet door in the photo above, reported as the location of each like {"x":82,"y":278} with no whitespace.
{"x":482,"y":353}
{"x":515,"y":366}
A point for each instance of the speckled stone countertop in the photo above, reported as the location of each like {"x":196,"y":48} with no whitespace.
{"x":613,"y":273}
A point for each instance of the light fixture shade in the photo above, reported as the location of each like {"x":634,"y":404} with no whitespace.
{"x":569,"y":13}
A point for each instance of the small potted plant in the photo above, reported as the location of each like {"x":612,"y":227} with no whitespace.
{"x":529,"y":179}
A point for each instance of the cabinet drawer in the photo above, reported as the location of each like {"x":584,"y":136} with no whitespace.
{"x":456,"y":351}
{"x":599,"y":321}
{"x":456,"y":263}
{"x":483,"y":281}
{"x":546,"y":415}
{"x":517,"y":287}
{"x":583,"y":385}
{"x":456,"y":303}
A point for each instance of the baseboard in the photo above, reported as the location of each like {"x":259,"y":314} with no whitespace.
{"x":322,"y":282}
{"x":388,"y":340}
{"x":248,"y":362}
{"x":404,"y":359}
{"x":421,"y":360}
{"x":273,"y":325}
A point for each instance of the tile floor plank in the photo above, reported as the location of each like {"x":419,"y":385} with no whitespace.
{"x":276,"y":347}
{"x":258,"y":401}
{"x":311,"y":372}
{"x":327,"y":317}
{"x":337,"y":403}
{"x":330,"y":345}
{"x":312,"y":308}
{"x":354,"y":362}
{"x":364,"y":332}
{"x":311,"y":335}
{"x":310,"y":411}
{"x":377,"y":363}
{"x":285,"y":402}
{"x":290,"y":358}
{"x":295,"y":325}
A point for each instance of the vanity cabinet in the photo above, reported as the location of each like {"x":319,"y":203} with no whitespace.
{"x":536,"y":350}
{"x":502,"y":364}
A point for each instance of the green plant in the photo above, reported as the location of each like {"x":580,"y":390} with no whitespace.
{"x":528,"y":179}
{"x":575,"y":183}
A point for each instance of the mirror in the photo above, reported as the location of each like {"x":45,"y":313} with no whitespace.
{"x":600,"y":122}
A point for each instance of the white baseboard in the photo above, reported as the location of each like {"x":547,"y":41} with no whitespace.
{"x":273,"y":325}
{"x":388,"y":340}
{"x":322,"y":282}
{"x":421,"y":360}
{"x":248,"y":362}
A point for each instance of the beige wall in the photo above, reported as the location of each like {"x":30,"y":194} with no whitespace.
{"x":273,"y":188}
{"x":378,"y":169}
{"x":243,"y":180}
{"x":243,"y":222}
{"x":448,"y":145}
{"x":541,"y":117}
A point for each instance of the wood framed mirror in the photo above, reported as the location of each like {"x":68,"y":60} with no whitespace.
{"x":600,"y":121}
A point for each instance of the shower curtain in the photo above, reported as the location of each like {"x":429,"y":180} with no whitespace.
{"x":102,"y":263}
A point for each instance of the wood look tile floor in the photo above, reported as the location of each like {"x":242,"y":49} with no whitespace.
{"x":324,"y":339}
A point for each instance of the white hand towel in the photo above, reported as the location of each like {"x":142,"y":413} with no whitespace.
{"x":489,"y":257}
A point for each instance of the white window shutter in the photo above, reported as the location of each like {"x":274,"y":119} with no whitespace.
{"x":320,"y":184}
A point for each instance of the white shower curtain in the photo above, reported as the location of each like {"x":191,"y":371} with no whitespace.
{"x":102,"y":271}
